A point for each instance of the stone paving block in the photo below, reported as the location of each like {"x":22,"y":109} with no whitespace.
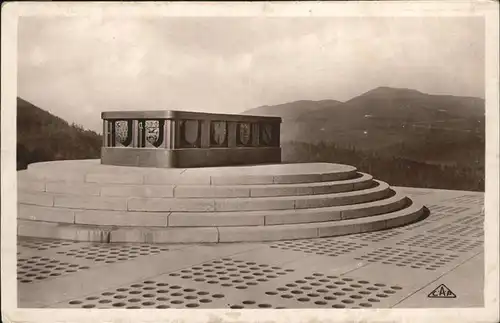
{"x":72,"y":188}
{"x":40,"y":229}
{"x":57,"y":176}
{"x":30,"y":185}
{"x":167,"y":204}
{"x":391,"y":204}
{"x":363,"y":185}
{"x":209,"y":219}
{"x":302,"y":216}
{"x":332,"y":188}
{"x":337,"y":199}
{"x":175,"y":179}
{"x":241,"y":180}
{"x":299,"y":178}
{"x":460,"y":281}
{"x":348,"y":174}
{"x":210,"y":191}
{"x":108,"y":178}
{"x":34,"y":198}
{"x":91,"y":202}
{"x":267,"y":233}
{"x":276,"y":190}
{"x":121,"y":218}
{"x":167,"y":235}
{"x":138,"y":190}
{"x":253,"y":204}
{"x":45,"y":214}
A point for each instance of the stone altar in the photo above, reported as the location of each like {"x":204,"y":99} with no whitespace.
{"x":173,"y":139}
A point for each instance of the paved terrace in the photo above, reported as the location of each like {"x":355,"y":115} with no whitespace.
{"x":395,"y":268}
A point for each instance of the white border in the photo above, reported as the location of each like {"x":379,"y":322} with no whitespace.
{"x":12,"y":11}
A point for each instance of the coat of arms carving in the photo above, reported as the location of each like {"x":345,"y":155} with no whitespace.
{"x":190,"y":131}
{"x":121,"y":132}
{"x":244,"y":133}
{"x":266,"y":133}
{"x":152,"y":131}
{"x":219,"y":132}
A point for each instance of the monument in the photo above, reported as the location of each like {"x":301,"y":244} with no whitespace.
{"x":186,"y":177}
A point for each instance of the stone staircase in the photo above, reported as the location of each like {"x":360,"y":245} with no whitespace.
{"x":86,"y":201}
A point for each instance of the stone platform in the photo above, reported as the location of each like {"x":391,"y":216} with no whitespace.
{"x":87,"y":201}
{"x":394,"y":268}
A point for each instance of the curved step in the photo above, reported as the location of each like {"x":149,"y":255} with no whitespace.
{"x":27,"y":184}
{"x":78,"y":232}
{"x":211,"y":219}
{"x":91,"y":171}
{"x":204,"y":205}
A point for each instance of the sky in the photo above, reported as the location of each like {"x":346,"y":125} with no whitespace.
{"x":77,"y":67}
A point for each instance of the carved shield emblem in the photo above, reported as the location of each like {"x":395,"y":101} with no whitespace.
{"x":244,"y":133}
{"x":219,"y":132}
{"x":121,"y":131}
{"x":190,"y":131}
{"x":266,"y":133}
{"x":152,"y":129}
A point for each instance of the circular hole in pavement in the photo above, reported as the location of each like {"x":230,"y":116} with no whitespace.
{"x":119,"y":304}
{"x":338,"y":306}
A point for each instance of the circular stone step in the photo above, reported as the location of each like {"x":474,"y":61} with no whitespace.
{"x":29,"y":184}
{"x":211,"y":219}
{"x":77,"y":232}
{"x":86,"y":201}
{"x":91,"y":171}
{"x":150,"y":204}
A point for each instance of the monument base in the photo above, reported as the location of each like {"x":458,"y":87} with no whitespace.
{"x":87,"y":201}
{"x":200,"y":157}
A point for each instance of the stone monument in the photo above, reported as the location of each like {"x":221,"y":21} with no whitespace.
{"x":186,"y":177}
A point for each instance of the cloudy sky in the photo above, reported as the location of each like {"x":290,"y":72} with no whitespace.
{"x":77,"y":67}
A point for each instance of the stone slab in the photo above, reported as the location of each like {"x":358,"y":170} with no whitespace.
{"x":121,"y":218}
{"x":45,"y":214}
{"x":90,"y":202}
{"x":173,"y":205}
{"x":138,"y":191}
{"x":167,"y":235}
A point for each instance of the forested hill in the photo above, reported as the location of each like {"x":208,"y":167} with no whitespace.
{"x":42,"y":136}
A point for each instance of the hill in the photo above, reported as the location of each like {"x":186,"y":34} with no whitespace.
{"x":292,"y":110}
{"x":402,"y":126}
{"x":42,"y":136}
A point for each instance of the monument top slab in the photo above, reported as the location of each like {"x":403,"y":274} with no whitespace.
{"x":191,"y":115}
